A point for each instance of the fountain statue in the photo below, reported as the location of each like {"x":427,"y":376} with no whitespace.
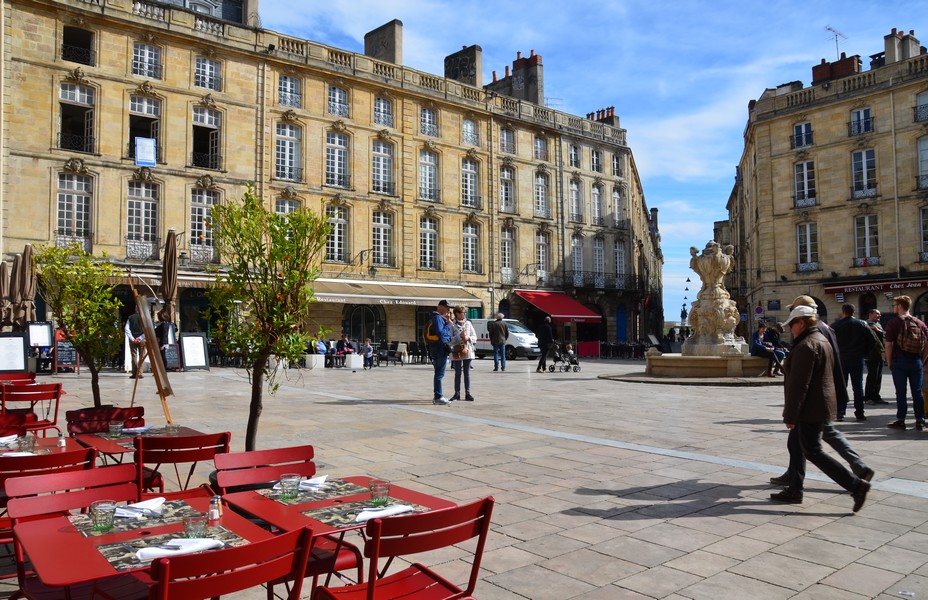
{"x":714,"y":315}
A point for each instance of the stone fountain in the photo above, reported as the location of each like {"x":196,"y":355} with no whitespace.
{"x":712,"y":350}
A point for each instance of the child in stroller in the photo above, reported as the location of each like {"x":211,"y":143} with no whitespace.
{"x":562,"y":360}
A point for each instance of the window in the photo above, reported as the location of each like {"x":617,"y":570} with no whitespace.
{"x":146,"y":60}
{"x":617,"y":165}
{"x":285,"y":206}
{"x":144,"y":122}
{"x":807,"y":246}
{"x":287,"y":153}
{"x":428,"y":243}
{"x":201,"y":237}
{"x":922,"y":182}
{"x":338,"y":101}
{"x":288,"y":92}
{"x":336,"y":243}
{"x":428,"y":122}
{"x":541,"y":196}
{"x":596,"y":202}
{"x":804,"y":184}
{"x":469,"y":247}
{"x":207,"y":74}
{"x":75,"y":193}
{"x":428,"y":176}
{"x":382,"y":168}
{"x":596,"y":161}
{"x":336,"y":160}
{"x":863,"y":167}
{"x":77,"y":46}
{"x":618,"y":207}
{"x":469,"y":187}
{"x":507,"y":141}
{"x":861,"y":122}
{"x":921,"y":107}
{"x":206,"y":133}
{"x":923,"y":218}
{"x":469,"y":132}
{"x":507,"y":245}
{"x":142,"y":217}
{"x":541,"y":255}
{"x":619,"y":257}
{"x":382,"y":239}
{"x":507,"y":199}
{"x":76,"y":119}
{"x":383,"y":112}
{"x":867,"y":241}
{"x":576,"y":259}
{"x":541,"y":148}
{"x":599,"y":263}
{"x":573,"y":156}
{"x":802,"y":135}
{"x":576,"y":202}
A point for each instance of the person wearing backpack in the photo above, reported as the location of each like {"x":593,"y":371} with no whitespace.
{"x":905,"y":342}
{"x":438,"y":339}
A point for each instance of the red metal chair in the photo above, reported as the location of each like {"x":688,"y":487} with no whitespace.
{"x":27,"y":377}
{"x":175,"y":450}
{"x":45,"y":395}
{"x":403,"y":535}
{"x":37,"y":496}
{"x":96,"y":420}
{"x":213,"y":574}
{"x":14,"y":423}
{"x":241,"y":471}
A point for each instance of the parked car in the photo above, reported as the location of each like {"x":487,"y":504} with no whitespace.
{"x":522,"y":343}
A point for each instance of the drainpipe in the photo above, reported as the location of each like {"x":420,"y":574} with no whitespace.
{"x":260,"y":124}
{"x":491,"y":238}
{"x":892,"y":114}
{"x":562,"y":219}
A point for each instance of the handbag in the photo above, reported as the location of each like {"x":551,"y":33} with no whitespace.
{"x":459,"y":349}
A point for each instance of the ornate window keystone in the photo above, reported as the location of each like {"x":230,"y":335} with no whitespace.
{"x":542,"y":169}
{"x":578,"y":230}
{"x":207,"y":101}
{"x":509,"y":223}
{"x":289,"y":193}
{"x":145,"y":89}
{"x":472,"y":218}
{"x":544,"y":228}
{"x":430,"y":212}
{"x":77,"y":76}
{"x":383,"y":205}
{"x":431,"y":146}
{"x":289,"y":116}
{"x":206,"y":182}
{"x":384,"y":135}
{"x":471,"y":153}
{"x":340,"y":126}
{"x":143,"y":174}
{"x":339,"y":200}
{"x":507,"y":161}
{"x":75,"y":165}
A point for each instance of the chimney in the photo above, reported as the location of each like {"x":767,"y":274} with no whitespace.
{"x":494,"y":77}
{"x":891,"y":44}
{"x":909,"y":46}
{"x":466,"y":66}
{"x":385,"y":43}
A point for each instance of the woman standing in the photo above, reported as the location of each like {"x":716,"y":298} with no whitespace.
{"x":463,"y":338}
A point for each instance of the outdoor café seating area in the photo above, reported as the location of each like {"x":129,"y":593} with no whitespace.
{"x":108,"y":506}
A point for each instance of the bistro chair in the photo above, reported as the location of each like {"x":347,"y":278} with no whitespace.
{"x":61,"y":492}
{"x":14,"y":423}
{"x":410,"y":534}
{"x":214,"y":574}
{"x":175,"y":450}
{"x":97,"y":420}
{"x":27,"y":377}
{"x":261,"y":469}
{"x":45,"y":396}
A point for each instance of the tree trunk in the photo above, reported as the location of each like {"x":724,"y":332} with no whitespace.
{"x":94,"y":380}
{"x":257,"y":393}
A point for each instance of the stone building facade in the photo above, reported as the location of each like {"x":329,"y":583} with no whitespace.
{"x":122,"y":120}
{"x":831,"y":193}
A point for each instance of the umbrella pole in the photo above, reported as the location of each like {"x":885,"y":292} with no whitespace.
{"x":135,"y":376}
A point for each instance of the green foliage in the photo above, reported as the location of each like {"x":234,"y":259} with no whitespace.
{"x":77,"y":287}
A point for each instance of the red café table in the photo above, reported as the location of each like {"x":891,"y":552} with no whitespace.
{"x":117,"y":448}
{"x":62,"y":555}
{"x":48,"y":445}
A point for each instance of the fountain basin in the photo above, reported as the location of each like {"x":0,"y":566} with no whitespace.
{"x":677,"y":365}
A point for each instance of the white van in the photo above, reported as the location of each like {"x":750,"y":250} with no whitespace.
{"x":521,"y":343}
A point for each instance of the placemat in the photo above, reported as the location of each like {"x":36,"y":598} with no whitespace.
{"x":332,"y":488}
{"x":122,"y":554}
{"x":344,"y":515}
{"x":172,"y":511}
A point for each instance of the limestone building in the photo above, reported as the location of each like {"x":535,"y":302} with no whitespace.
{"x":122,"y":120}
{"x":831,"y":193}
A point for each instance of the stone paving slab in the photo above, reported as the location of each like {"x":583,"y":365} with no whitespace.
{"x":607,"y":485}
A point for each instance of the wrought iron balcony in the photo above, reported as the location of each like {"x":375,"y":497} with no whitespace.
{"x":804,"y":201}
{"x":203,"y":254}
{"x":289,"y":173}
{"x":429,"y":129}
{"x":867,"y":190}
{"x":210,"y":82}
{"x":508,"y":147}
{"x":292,"y":99}
{"x":141,"y":247}
{"x":383,"y":187}
{"x":541,"y":154}
{"x":801,"y":140}
{"x":78,"y":54}
{"x":867,"y":261}
{"x":338,"y":180}
{"x":77,"y":143}
{"x":471,"y":138}
{"x":338,"y":109}
{"x":921,"y":182}
{"x":923,"y":257}
{"x":144,"y":69}
{"x":806,"y":267}
{"x":602,"y":281}
{"x":475,"y":202}
{"x":542,"y":212}
{"x":206,"y":160}
{"x":383,"y":119}
{"x":429,"y":264}
{"x":507,"y":276}
{"x":430,"y":194}
{"x":621,"y":223}
{"x":598,"y":220}
{"x":576,"y":217}
{"x":921,"y":113}
{"x":64,"y":239}
{"x":860,"y":127}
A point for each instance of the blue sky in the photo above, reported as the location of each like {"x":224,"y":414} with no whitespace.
{"x":680,"y":75}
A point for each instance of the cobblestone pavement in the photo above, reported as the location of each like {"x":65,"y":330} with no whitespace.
{"x":605,"y":489}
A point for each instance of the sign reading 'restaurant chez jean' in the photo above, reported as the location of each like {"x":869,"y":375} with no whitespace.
{"x":880,"y":286}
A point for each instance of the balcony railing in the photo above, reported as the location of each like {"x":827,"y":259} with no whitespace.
{"x":206,"y":160}
{"x":507,"y":276}
{"x":860,"y":127}
{"x":381,"y":118}
{"x":139,"y":248}
{"x":921,"y":113}
{"x":622,"y":223}
{"x":867,"y":190}
{"x":430,"y":194}
{"x":576,"y":217}
{"x":923,"y":256}
{"x":429,"y":264}
{"x":475,"y":202}
{"x":542,"y":212}
{"x":383,"y":187}
{"x":471,"y":138}
{"x":143,"y":69}
{"x":867,"y":261}
{"x":800,"y":140}
{"x":429,"y":129}
{"x":507,"y":146}
{"x":64,"y":239}
{"x":338,"y":180}
{"x":289,"y":173}
{"x":292,"y":99}
{"x":210,"y":82}
{"x":602,"y":281}
{"x":338,"y":109}
{"x":202,"y":254}
{"x":598,"y":220}
{"x":77,"y":143}
{"x":805,"y":267}
{"x":804,"y":201}
{"x":78,"y":54}
{"x":921,"y":182}
{"x":541,"y":154}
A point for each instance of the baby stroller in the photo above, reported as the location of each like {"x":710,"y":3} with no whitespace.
{"x":562,"y":360}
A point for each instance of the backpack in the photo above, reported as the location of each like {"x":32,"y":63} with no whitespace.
{"x":911,"y":339}
{"x":429,"y":334}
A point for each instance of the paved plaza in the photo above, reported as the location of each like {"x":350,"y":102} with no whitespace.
{"x":605,"y":489}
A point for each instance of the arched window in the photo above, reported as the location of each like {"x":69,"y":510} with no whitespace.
{"x":337,"y":242}
{"x":428,"y":243}
{"x":428,"y":176}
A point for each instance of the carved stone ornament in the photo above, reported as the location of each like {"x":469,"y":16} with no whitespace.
{"x":507,"y":161}
{"x":542,"y":168}
{"x":209,"y":52}
{"x":77,"y":76}
{"x":289,"y":193}
{"x":78,"y":20}
{"x":289,"y":116}
{"x":599,"y":235}
{"x":597,"y":180}
{"x":339,"y":200}
{"x":383,"y":205}
{"x":472,"y":218}
{"x":75,"y":165}
{"x":340,"y":126}
{"x":863,"y":140}
{"x":384,"y":93}
{"x":207,"y":101}
{"x":802,"y":154}
{"x":544,"y":228}
{"x":206,"y":182}
{"x":143,"y":174}
{"x":509,"y":223}
{"x":471,"y":153}
{"x":148,"y":37}
{"x":575,"y":176}
{"x":145,"y":89}
{"x":384,"y":135}
{"x":430,"y":146}
{"x":865,"y":209}
{"x":429,"y":212}
{"x":578,"y":231}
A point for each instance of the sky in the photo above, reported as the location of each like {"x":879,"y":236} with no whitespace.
{"x":680,"y":75}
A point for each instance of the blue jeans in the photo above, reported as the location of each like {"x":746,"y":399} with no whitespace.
{"x":499,"y":356}
{"x":439,"y":355}
{"x":459,"y":366}
{"x":908,"y":370}
{"x":854,"y":370}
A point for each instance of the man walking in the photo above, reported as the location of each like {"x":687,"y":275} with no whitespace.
{"x":136,"y":336}
{"x":545,"y":338}
{"x":438,"y":339}
{"x":854,"y":343}
{"x":905,"y":342}
{"x":499,"y":333}
{"x":874,"y":360}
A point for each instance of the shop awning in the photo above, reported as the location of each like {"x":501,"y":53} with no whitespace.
{"x":373,"y":292}
{"x":561,"y":307}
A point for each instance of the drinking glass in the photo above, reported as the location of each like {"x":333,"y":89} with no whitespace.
{"x":290,"y":485}
{"x":195,"y":526}
{"x":115,"y":429}
{"x":26,"y":443}
{"x":380,"y":492}
{"x":102,"y":513}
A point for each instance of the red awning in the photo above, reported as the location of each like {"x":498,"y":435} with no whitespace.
{"x":561,"y":307}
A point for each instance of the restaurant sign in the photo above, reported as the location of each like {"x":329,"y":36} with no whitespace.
{"x":883,"y":286}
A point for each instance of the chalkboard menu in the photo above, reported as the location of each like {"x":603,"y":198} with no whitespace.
{"x":172,"y":357}
{"x":65,"y":355}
